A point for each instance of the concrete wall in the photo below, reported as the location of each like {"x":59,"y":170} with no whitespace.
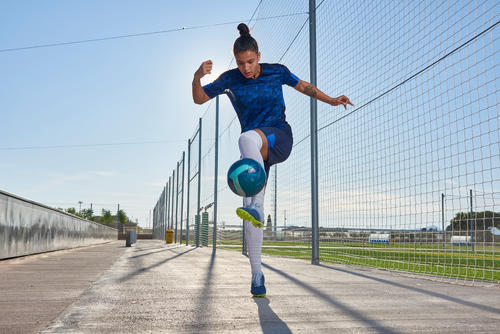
{"x":27,"y":227}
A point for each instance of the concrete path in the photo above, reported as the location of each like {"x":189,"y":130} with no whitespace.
{"x":35,"y":289}
{"x":153,"y":288}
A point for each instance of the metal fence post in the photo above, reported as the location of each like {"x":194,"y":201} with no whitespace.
{"x":167,"y":208}
{"x":172,"y":201}
{"x":216,"y":168}
{"x":314,"y":135}
{"x":167,"y":205}
{"x":442,"y":221}
{"x":472,"y":221}
{"x":159,"y":222}
{"x":199,"y":182}
{"x":182,"y":192}
{"x":243,"y":237}
{"x":156,"y":220}
{"x":176,"y":200}
{"x":188,"y":183}
{"x":169,"y":200}
{"x":275,"y":201}
{"x":157,"y":208}
{"x":118,"y":222}
{"x":161,"y":212}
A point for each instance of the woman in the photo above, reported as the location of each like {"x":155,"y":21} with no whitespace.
{"x":255,"y":91}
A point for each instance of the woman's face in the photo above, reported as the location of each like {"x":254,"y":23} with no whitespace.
{"x":248,"y":63}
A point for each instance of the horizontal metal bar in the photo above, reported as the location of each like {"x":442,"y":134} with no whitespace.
{"x":195,"y":134}
{"x":193,"y":177}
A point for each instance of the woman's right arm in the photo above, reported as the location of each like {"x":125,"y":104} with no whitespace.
{"x":199,"y":95}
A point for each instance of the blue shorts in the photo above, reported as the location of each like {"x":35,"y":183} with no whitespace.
{"x":279,"y":143}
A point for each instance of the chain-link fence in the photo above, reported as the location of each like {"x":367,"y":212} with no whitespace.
{"x":408,"y":179}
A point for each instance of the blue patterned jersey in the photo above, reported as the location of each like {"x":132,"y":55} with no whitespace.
{"x":257,"y":102}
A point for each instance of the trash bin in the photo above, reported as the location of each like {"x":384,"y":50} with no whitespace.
{"x":128,"y":239}
{"x":169,"y":236}
{"x":133,"y":237}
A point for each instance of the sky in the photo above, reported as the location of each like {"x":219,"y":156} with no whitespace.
{"x":86,"y":96}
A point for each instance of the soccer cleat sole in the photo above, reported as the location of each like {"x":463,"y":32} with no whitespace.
{"x":259,"y":296}
{"x":246,"y":216}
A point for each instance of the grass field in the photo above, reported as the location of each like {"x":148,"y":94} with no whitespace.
{"x":439,"y":246}
{"x":453,"y":261}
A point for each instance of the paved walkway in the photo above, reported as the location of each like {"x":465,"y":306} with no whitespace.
{"x":35,"y":289}
{"x":153,"y":288}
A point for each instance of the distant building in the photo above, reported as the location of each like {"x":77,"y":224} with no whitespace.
{"x":461,"y":240}
{"x":494,"y":230}
{"x":380,"y":238}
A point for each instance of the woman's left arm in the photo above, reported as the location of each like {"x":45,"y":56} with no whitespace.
{"x":309,"y":90}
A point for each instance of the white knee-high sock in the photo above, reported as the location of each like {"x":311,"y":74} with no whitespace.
{"x":250,"y":144}
{"x":254,"y":237}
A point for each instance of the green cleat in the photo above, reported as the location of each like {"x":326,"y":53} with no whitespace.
{"x":251,"y":214}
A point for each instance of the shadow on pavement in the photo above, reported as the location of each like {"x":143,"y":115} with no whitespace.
{"x":202,"y":311}
{"x":143,"y":248}
{"x":149,"y":253}
{"x":419,"y":290}
{"x":269,"y":321}
{"x":344,"y":308}
{"x":140,"y":271}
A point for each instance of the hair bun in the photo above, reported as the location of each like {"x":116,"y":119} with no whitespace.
{"x":243,"y":28}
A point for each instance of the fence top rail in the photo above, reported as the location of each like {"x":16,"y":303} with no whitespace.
{"x":2,"y":192}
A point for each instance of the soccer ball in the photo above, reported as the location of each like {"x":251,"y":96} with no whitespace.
{"x":246,"y":177}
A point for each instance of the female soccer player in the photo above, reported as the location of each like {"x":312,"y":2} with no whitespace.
{"x":255,"y":91}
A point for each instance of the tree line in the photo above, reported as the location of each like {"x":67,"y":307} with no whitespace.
{"x":106,"y":218}
{"x":480,"y":221}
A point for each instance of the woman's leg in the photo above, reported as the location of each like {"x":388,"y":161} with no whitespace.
{"x":254,"y":236}
{"x":264,"y":150}
{"x":271,"y":145}
{"x":250,"y":144}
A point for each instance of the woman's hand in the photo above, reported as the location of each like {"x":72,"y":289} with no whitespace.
{"x":199,"y":95}
{"x":205,"y":68}
{"x":308,"y":89}
{"x":341,"y":100}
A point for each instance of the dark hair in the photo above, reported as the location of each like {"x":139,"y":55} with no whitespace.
{"x":245,"y":42}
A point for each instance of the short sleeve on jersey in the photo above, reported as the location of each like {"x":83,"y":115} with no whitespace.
{"x":217,"y":87}
{"x":288,"y":77}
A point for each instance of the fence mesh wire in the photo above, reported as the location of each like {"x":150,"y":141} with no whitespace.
{"x":409,"y":178}
{"x":425,"y":124}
